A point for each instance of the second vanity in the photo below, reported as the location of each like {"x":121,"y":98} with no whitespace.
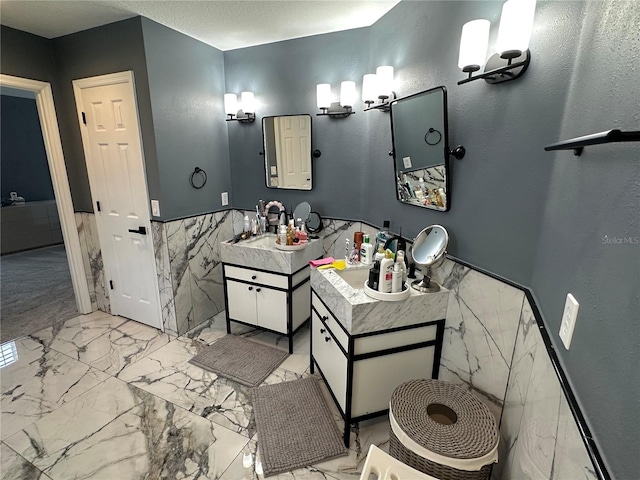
{"x":364,"y":348}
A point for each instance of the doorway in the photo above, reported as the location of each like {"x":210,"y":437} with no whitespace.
{"x":59,"y":180}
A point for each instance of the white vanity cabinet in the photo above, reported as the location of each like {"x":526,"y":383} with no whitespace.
{"x":362,"y":370}
{"x":273,"y":301}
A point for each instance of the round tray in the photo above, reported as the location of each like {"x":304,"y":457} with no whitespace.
{"x":388,"y":297}
{"x":298,"y":246}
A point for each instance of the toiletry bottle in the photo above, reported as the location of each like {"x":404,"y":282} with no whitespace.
{"x":379,"y":255}
{"x":443,"y":196}
{"x":396,"y":278}
{"x":436,"y":192}
{"x":366,"y":251}
{"x":400,"y":259}
{"x":423,"y":188}
{"x":386,"y":275}
{"x":247,"y":224}
{"x":374,"y":276}
{"x":383,"y":235}
{"x":354,"y":255}
{"x":357,"y":239}
{"x":347,"y":250}
{"x":291,"y":234}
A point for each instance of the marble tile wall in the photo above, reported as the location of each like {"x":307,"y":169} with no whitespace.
{"x":538,"y":433}
{"x":92,"y":259}
{"x":189,"y":268}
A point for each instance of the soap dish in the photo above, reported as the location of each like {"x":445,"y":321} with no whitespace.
{"x":388,"y":297}
{"x":288,"y":248}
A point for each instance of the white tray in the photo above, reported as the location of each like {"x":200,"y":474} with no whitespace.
{"x":388,"y":297}
{"x":298,"y":246}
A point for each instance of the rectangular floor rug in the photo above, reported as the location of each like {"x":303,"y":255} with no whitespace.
{"x":295,"y":426}
{"x":239,"y":359}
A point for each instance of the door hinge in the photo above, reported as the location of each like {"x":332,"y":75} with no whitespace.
{"x":111,"y":284}
{"x":84,"y":118}
{"x":98,"y":205}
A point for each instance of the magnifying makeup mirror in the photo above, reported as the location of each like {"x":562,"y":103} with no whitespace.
{"x":302,"y":212}
{"x":314,"y":225}
{"x":429,"y":249}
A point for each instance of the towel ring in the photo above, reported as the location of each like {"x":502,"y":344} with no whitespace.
{"x":432,"y":130}
{"x":201,"y":173}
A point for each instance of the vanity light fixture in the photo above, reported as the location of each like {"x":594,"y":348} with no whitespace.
{"x":341,"y":109}
{"x":514,"y":34}
{"x":245,"y":112}
{"x":378,"y":87}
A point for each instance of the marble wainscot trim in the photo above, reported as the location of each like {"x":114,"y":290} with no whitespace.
{"x":82,"y":226}
{"x":260,"y":252}
{"x":335,"y":232}
{"x":360,"y":313}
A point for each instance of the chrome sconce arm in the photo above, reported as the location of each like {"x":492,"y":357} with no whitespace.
{"x":336,"y":111}
{"x":241,"y":117}
{"x":383,"y":105}
{"x":496,"y":72}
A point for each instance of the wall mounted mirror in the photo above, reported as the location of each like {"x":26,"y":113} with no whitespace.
{"x":287,"y":151}
{"x":421,"y":149}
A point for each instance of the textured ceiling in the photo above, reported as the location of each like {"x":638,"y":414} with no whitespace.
{"x":225,"y":25}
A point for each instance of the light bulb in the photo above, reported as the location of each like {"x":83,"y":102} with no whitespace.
{"x":323,"y":92}
{"x":348,"y":93}
{"x":516,"y":25}
{"x":370,"y":88}
{"x":248,"y":102}
{"x":385,"y":81}
{"x":473,"y":45}
{"x":230,"y":103}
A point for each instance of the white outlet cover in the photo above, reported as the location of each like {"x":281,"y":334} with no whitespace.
{"x":155,"y":208}
{"x":225,"y":198}
{"x":568,"y":324}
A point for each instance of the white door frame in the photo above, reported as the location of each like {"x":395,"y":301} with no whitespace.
{"x":60,"y":181}
{"x":103,"y":81}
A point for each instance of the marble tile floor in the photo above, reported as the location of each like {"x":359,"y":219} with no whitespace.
{"x":35,"y":291}
{"x":102,"y":397}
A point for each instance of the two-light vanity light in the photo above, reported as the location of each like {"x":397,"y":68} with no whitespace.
{"x":244,"y":112}
{"x":516,"y":25}
{"x":376,"y":87}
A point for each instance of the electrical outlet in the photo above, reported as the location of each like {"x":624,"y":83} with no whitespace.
{"x":569,"y":317}
{"x":225,"y":198}
{"x":155,"y":208}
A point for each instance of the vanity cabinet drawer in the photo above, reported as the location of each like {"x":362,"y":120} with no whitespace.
{"x":254,"y":276}
{"x":331,"y":321}
{"x":330,"y":359}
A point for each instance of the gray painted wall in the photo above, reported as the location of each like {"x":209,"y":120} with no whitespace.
{"x":111,"y":48}
{"x":283,"y":77}
{"x":24,"y":167}
{"x":186,"y":84}
{"x":510,"y":199}
{"x":591,"y":197}
{"x":25,"y":55}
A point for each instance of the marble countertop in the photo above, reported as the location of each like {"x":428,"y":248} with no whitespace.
{"x":260,"y":252}
{"x":359,"y":313}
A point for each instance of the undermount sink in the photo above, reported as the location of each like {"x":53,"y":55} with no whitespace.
{"x":354,"y":277}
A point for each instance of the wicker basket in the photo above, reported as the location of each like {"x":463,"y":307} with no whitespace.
{"x":449,"y":425}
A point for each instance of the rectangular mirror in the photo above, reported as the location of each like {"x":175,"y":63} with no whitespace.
{"x":287,"y":151}
{"x":421,"y":149}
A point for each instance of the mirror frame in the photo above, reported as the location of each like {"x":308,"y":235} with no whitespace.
{"x":446,"y":152}
{"x":264,"y":151}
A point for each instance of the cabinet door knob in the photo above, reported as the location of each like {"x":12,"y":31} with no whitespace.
{"x":326,"y":339}
{"x":253,"y":277}
{"x":322,"y":330}
{"x":250,"y":288}
{"x":258,"y":289}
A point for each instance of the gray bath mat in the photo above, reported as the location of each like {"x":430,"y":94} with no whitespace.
{"x":295,"y":426}
{"x":239,"y":359}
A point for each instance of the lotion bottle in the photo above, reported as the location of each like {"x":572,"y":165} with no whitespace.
{"x":386,"y":275}
{"x":396,"y":278}
{"x":366,"y":251}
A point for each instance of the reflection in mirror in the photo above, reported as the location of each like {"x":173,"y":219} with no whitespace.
{"x":287,"y":151}
{"x":421,"y":149}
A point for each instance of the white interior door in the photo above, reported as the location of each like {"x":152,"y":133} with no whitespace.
{"x":293,"y":151}
{"x":108,"y":116}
